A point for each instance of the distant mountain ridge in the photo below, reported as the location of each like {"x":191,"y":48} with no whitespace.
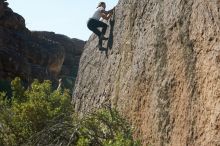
{"x":30,"y":55}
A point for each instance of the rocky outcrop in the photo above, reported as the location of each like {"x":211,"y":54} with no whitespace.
{"x":161,"y":70}
{"x":31,"y":55}
{"x":73,"y":49}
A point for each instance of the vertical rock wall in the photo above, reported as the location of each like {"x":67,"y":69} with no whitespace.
{"x":161,"y":70}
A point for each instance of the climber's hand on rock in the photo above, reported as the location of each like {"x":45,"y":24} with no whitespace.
{"x":112,"y":10}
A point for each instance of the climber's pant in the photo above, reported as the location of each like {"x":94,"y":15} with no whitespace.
{"x":94,"y":24}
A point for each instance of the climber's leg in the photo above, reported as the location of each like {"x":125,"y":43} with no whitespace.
{"x":100,"y":43}
{"x":93,"y":26}
{"x":104,"y":28}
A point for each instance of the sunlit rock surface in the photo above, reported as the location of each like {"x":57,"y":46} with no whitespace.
{"x":161,"y":70}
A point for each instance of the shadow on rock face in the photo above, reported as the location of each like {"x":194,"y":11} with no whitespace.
{"x":110,"y":40}
{"x":102,"y":49}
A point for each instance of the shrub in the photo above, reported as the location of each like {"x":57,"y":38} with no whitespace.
{"x":39,"y":115}
{"x":104,"y":127}
{"x":30,"y":110}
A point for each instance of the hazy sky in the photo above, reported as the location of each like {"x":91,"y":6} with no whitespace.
{"x":66,"y":17}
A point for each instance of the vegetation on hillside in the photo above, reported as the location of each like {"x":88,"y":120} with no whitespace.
{"x":40,"y":115}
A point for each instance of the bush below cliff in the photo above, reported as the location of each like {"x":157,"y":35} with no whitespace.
{"x":42,"y":116}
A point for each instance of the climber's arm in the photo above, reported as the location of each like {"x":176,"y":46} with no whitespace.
{"x":106,"y":17}
{"x":107,"y":14}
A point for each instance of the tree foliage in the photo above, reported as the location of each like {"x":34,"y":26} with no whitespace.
{"x":40,"y":115}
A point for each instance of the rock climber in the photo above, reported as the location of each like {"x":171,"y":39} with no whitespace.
{"x":94,"y":22}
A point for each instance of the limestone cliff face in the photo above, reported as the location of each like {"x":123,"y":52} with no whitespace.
{"x":30,"y":55}
{"x":161,"y":70}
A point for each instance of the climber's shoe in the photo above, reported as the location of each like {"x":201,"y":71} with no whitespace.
{"x":102,"y":37}
{"x":102,"y":49}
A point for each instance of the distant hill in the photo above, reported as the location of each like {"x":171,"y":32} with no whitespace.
{"x":30,"y":55}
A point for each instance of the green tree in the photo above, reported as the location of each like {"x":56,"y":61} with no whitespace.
{"x":104,"y":127}
{"x":40,"y":115}
{"x":31,"y":109}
